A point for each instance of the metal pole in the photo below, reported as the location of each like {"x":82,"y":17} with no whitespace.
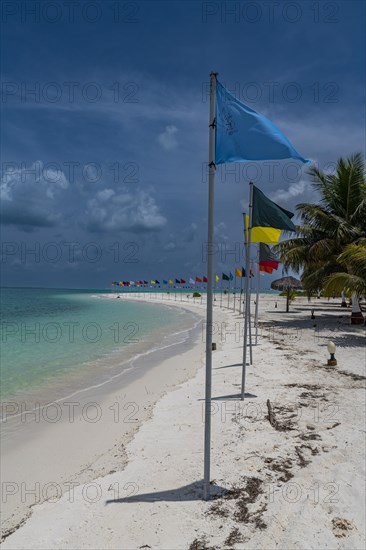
{"x":210,"y":275}
{"x":249,"y":321}
{"x":257,"y":304}
{"x":241,"y":280}
{"x":234,"y":292}
{"x":221,"y":292}
{"x":241,"y":293}
{"x":228,"y":293}
{"x":247,"y":289}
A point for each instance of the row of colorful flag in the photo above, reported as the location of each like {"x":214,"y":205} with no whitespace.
{"x":151,"y":282}
{"x":267,"y":263}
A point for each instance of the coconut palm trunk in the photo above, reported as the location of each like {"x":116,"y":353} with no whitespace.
{"x":288,"y":300}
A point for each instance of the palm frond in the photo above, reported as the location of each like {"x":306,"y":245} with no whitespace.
{"x":337,"y":282}
{"x":354,"y":258}
{"x":324,"y":245}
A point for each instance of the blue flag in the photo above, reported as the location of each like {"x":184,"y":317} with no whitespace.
{"x":231,"y":276}
{"x":244,"y":135}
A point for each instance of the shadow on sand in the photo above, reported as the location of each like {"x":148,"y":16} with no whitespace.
{"x":228,"y":366}
{"x":234,"y":396}
{"x":325,"y":327}
{"x":193,"y":491}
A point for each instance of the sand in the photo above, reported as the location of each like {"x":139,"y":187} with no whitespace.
{"x":295,"y":483}
{"x":41,"y":456}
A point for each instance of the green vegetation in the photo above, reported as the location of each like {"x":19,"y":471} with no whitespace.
{"x":330,"y":245}
{"x":298,"y":293}
{"x":353,"y":259}
{"x":196,"y":295}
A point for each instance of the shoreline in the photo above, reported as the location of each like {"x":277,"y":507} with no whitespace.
{"x":129,"y":345}
{"x":300,"y":485}
{"x":34,"y":395}
{"x":109,"y":413}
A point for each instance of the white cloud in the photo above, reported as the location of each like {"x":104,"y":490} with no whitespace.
{"x":189,"y":233}
{"x":296,"y":193}
{"x":167,"y":139}
{"x":31,"y":196}
{"x":37,"y":197}
{"x":294,"y":190}
{"x":105,"y":195}
{"x":220,"y":232}
{"x":110,"y":211}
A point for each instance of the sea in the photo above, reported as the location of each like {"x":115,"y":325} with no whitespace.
{"x":56,"y":342}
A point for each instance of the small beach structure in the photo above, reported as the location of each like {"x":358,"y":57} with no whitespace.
{"x":287,"y":284}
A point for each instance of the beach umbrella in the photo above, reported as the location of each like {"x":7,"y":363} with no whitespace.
{"x":287,"y":284}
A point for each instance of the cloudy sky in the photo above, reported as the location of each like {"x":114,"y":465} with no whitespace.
{"x":105,"y":127}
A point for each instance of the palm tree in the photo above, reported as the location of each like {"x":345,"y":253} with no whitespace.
{"x":353,"y":258}
{"x":338,"y":221}
{"x":352,"y":281}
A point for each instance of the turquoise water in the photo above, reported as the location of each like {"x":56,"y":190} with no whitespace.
{"x":61,"y":338}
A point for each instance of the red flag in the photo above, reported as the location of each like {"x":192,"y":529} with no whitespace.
{"x":273,"y":265}
{"x":198,"y":280}
{"x":265,"y":268}
{"x":183,"y":281}
{"x":205,"y":280}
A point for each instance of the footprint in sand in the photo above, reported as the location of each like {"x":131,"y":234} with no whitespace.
{"x":342,"y":527}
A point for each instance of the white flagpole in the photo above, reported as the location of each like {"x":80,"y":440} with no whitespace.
{"x":241,"y":292}
{"x":249,"y":323}
{"x":248,"y":238}
{"x":210,"y":275}
{"x":234,"y":291}
{"x":257,"y":302}
{"x":228,"y":292}
{"x":241,"y":280}
{"x":221,"y":292}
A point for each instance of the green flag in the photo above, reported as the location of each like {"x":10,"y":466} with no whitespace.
{"x":225,"y":277}
{"x":267,"y":213}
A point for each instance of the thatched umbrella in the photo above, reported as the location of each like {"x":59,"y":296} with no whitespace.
{"x":288,"y":284}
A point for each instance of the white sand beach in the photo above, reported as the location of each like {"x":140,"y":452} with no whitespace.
{"x":295,"y":482}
